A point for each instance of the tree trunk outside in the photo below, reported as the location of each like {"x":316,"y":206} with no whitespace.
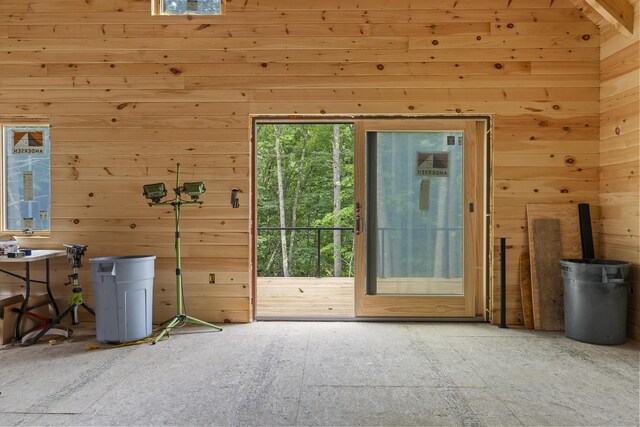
{"x":283,"y":233}
{"x":337,"y":258}
{"x":271,"y":258}
{"x":454,"y":202}
{"x":296,"y":196}
{"x":440,"y":262}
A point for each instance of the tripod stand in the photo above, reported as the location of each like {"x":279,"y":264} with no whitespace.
{"x":193,"y":190}
{"x":74,"y":256}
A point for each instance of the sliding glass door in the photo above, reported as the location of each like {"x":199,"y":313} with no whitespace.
{"x":418,"y":217}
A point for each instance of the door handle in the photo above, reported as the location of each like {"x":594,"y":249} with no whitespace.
{"x":358,"y":220}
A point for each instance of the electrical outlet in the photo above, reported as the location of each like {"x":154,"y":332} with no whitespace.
{"x":212,"y":278}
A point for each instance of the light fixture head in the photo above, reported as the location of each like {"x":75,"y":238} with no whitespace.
{"x":194,"y":189}
{"x":155,"y":192}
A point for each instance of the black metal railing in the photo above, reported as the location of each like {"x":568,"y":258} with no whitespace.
{"x":383,"y":233}
{"x":382,"y":236}
{"x":318,"y":230}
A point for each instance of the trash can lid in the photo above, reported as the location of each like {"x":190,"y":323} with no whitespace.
{"x":593,"y":261}
{"x":121,"y":259}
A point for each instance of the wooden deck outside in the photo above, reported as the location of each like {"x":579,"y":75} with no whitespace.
{"x":334,"y":296}
{"x":305,"y":297}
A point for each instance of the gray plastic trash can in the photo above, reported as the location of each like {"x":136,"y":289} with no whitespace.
{"x":123,"y":288}
{"x":595,"y":300}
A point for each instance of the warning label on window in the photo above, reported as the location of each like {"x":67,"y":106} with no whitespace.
{"x":432,"y":164}
{"x":27,"y":184}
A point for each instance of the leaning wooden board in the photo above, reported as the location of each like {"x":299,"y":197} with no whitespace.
{"x":547,"y":251}
{"x":569,"y":246}
{"x":8,"y":317}
{"x":525,"y":290}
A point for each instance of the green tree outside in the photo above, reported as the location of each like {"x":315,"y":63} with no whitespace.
{"x":313,"y":163}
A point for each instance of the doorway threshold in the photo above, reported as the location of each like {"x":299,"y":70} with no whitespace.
{"x":270,"y":318}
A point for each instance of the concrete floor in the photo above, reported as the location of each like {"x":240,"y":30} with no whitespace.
{"x":351,"y":373}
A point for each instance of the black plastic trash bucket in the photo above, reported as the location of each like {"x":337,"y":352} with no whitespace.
{"x":595,"y":300}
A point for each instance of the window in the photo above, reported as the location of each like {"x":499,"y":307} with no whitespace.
{"x":26,"y":178}
{"x":188,"y":7}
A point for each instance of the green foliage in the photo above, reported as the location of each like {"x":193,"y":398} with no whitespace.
{"x":315,"y":206}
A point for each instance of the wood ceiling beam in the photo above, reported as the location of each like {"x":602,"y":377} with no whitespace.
{"x":618,"y":13}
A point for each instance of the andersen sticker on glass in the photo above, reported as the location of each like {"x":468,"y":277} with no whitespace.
{"x":435,"y":164}
{"x":28,"y":142}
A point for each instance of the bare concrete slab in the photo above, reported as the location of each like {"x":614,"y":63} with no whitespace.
{"x":325,"y":373}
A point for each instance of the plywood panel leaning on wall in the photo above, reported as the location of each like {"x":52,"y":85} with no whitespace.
{"x":525,"y":290}
{"x":546,"y":284}
{"x":548,"y":243}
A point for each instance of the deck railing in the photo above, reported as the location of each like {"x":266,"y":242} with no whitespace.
{"x":381,"y":232}
{"x":318,"y":230}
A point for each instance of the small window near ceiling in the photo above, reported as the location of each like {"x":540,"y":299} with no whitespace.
{"x":188,"y":7}
{"x":26,"y":178}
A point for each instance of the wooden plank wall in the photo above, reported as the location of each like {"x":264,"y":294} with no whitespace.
{"x":620,"y":155}
{"x":129,"y":94}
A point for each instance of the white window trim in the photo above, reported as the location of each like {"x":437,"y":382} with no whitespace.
{"x":8,"y":122}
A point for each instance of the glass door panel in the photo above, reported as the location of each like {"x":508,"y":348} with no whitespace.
{"x":415,"y":213}
{"x":419,"y":217}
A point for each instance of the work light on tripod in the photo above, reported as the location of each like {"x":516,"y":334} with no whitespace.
{"x":155,"y":192}
{"x":194,"y":189}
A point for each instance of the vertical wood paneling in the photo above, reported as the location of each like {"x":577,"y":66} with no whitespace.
{"x":620,"y":156}
{"x":129,"y":94}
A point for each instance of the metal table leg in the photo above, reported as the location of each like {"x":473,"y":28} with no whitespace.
{"x":25,"y":302}
{"x":48,"y":284}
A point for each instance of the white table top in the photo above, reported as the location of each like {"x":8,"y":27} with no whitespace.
{"x":36,"y":255}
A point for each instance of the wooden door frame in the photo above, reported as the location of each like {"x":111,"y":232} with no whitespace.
{"x":253,"y":218}
{"x":483,"y":129}
{"x":458,"y":306}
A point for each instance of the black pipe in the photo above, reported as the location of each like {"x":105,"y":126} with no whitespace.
{"x":318,"y":248}
{"x":503,"y":282}
{"x":585,"y":231}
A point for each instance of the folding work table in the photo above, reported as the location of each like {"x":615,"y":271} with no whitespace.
{"x":36,"y":255}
